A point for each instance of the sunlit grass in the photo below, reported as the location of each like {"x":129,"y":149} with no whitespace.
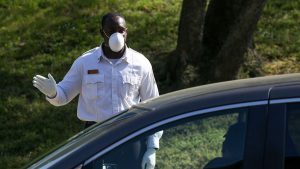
{"x":42,"y":36}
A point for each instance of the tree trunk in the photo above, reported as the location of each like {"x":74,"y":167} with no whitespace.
{"x":214,"y":41}
{"x":189,"y":38}
{"x":237,"y":38}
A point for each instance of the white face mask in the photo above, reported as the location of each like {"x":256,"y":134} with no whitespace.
{"x":116,"y":41}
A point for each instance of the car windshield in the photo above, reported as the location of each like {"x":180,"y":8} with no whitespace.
{"x":82,"y":137}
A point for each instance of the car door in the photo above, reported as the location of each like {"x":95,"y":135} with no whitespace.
{"x":283,"y":138}
{"x":228,"y":136}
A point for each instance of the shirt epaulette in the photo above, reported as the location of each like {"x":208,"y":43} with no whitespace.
{"x":135,"y":52}
{"x":89,"y":51}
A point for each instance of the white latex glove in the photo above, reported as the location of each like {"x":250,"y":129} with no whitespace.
{"x":149,"y":160}
{"x":45,"y":85}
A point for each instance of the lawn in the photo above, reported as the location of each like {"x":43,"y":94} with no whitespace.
{"x":46,"y":36}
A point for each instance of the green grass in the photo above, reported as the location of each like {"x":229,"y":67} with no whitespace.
{"x":278,"y":34}
{"x":193,"y":144}
{"x":42,"y":36}
{"x":277,"y":38}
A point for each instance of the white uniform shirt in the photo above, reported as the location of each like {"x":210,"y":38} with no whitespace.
{"x":106,"y":88}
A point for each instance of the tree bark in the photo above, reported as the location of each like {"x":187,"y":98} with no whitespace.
{"x":214,"y":41}
{"x":238,"y":38}
{"x":189,"y":37}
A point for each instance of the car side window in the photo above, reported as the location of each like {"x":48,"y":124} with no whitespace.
{"x":210,"y":142}
{"x":213,"y":140}
{"x":292,"y":150}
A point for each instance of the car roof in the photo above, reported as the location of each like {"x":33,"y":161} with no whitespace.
{"x":243,"y":86}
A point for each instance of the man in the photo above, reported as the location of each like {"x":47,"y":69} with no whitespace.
{"x":108,"y":79}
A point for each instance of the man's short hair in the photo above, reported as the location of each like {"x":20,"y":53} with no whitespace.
{"x":110,"y":15}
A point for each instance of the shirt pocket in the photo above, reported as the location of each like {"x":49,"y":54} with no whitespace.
{"x":93,"y":85}
{"x":130,"y":86}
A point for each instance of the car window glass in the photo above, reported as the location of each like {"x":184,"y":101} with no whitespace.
{"x":292,"y":136}
{"x":213,"y":141}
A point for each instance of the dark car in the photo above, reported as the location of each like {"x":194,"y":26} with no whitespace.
{"x":250,"y":124}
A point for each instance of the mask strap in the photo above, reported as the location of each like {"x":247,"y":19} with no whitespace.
{"x":105,"y":34}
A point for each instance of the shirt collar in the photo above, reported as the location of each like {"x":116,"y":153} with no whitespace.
{"x":125,"y":56}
